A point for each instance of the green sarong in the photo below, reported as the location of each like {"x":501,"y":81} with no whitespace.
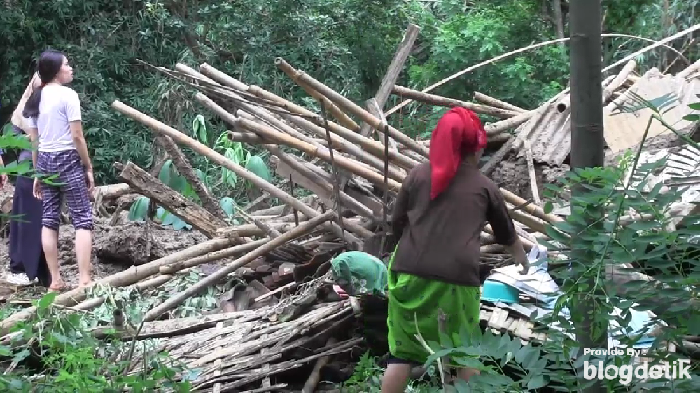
{"x":413,"y":298}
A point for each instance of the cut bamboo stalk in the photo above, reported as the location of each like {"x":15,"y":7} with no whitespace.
{"x":376,"y":111}
{"x":253,"y":139}
{"x":351,"y":203}
{"x":496,"y":102}
{"x":396,"y":173}
{"x":433,"y":99}
{"x":154,"y":282}
{"x":339,"y":115}
{"x":315,"y":123}
{"x":372,"y":146}
{"x":121,"y":279}
{"x":315,"y":376}
{"x":351,"y":107}
{"x":532,"y":174}
{"x":346,"y":163}
{"x":212,"y":279}
{"x":217,"y":158}
{"x":529,"y":208}
{"x":619,"y":80}
{"x":494,"y":129}
{"x":212,"y":256}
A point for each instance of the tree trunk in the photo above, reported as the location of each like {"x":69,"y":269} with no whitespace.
{"x":587,"y":144}
{"x":558,"y":20}
{"x":171,"y":200}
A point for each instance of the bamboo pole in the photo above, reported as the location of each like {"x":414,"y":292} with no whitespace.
{"x":433,"y":99}
{"x":351,"y":203}
{"x":498,"y":127}
{"x":212,"y":279}
{"x":627,"y":58}
{"x":339,"y":115}
{"x":353,"y":108}
{"x":374,"y":162}
{"x":346,"y":163}
{"x":497,"y":103}
{"x":314,"y":122}
{"x":217,"y":158}
{"x":124,"y":278}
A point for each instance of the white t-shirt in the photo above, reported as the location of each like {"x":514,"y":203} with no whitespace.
{"x":59,"y":106}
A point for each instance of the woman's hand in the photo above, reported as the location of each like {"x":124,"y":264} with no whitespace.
{"x":524,"y":263}
{"x":37,"y":188}
{"x":90,"y":180}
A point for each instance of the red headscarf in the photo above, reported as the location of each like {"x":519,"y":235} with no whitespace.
{"x":458,"y":132}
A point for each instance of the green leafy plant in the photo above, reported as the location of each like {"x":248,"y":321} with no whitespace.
{"x":54,"y":352}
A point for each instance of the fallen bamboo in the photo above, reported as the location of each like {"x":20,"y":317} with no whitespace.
{"x":497,"y":128}
{"x":348,"y":201}
{"x":170,"y":199}
{"x":113,"y":191}
{"x":496,"y":102}
{"x":217,"y":158}
{"x":339,"y":115}
{"x":350,"y":136}
{"x":154,"y":282}
{"x":531,"y":209}
{"x":212,"y":279}
{"x":531,"y":172}
{"x":255,"y":110}
{"x":353,"y":108}
{"x":437,"y":100}
{"x":122,"y":279}
{"x":315,"y":376}
{"x":396,"y":173}
{"x":211,"y":257}
{"x":346,"y":163}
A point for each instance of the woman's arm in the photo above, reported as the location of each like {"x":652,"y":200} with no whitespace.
{"x":76,"y":129}
{"x":504,"y":230}
{"x":399,"y":217}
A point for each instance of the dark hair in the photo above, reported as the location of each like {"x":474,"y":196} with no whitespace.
{"x":49,"y":64}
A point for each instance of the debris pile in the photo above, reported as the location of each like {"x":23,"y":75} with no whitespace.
{"x":353,"y":162}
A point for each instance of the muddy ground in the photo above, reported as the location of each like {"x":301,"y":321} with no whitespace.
{"x":115,"y":248}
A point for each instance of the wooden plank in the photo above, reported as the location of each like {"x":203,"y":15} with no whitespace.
{"x":393,"y":72}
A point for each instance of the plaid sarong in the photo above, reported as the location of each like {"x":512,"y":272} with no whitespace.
{"x":72,"y":185}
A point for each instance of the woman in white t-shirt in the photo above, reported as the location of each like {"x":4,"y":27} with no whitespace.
{"x":55,"y":127}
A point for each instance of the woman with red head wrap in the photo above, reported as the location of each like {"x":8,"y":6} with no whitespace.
{"x":434,"y":274}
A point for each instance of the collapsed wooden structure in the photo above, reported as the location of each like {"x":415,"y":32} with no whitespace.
{"x":353,"y":161}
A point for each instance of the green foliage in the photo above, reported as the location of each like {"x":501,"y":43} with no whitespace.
{"x":55,"y":352}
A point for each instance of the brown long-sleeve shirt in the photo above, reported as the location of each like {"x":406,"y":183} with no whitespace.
{"x":439,"y":239}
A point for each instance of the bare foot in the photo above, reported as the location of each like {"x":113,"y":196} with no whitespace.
{"x":58,"y":286}
{"x":85,"y":284}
